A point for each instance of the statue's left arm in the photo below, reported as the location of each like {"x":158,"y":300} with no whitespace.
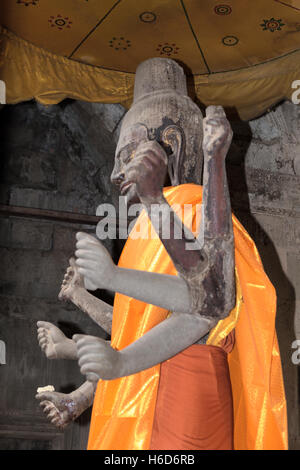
{"x":206,"y":264}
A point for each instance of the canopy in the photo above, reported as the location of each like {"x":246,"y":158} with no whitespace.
{"x":242,"y":55}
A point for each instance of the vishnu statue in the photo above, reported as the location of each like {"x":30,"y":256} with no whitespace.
{"x":193,"y":361}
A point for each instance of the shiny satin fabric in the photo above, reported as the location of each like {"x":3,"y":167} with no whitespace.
{"x":31,"y":72}
{"x":124,"y":409}
{"x":255,"y":366}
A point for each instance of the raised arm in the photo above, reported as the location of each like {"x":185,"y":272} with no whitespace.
{"x":216,"y":208}
{"x":207,"y":268}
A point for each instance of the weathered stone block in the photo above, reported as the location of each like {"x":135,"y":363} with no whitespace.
{"x":30,"y":169}
{"x":26,"y":234}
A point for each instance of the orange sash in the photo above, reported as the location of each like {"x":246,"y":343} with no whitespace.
{"x":123,"y":410}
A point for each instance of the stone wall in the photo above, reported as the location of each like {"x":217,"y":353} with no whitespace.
{"x":263,"y":170}
{"x":60,"y":158}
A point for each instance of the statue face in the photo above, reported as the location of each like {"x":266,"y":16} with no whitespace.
{"x":169,"y":136}
{"x":129,"y":140}
{"x":176,"y":125}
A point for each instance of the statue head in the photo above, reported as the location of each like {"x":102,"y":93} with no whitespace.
{"x":162,"y":111}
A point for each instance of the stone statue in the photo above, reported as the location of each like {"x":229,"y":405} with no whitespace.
{"x":161,"y":142}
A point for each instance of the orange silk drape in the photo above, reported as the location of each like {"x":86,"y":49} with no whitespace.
{"x":124,"y":408}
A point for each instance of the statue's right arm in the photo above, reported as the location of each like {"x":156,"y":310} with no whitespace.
{"x":99,"y":311}
{"x":95,"y":264}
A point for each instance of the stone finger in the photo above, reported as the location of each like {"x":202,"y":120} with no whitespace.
{"x":87,"y":262}
{"x":78,"y":338}
{"x":91,"y":377}
{"x":86,"y":254}
{"x":92,"y":367}
{"x":43,"y":345}
{"x":215,"y":111}
{"x":86,"y":245}
{"x":46,"y":325}
{"x":155,"y":158}
{"x":53,"y":413}
{"x":135,"y":163}
{"x":152,"y":147}
{"x":84,"y":272}
{"x":93,"y":357}
{"x":81,"y":340}
{"x":43,"y":340}
{"x":212,"y":123}
{"x":47,"y":396}
{"x":41,"y":334}
{"x":43,"y":324}
{"x":56,"y":421}
{"x":44,"y":403}
{"x":85,"y":236}
{"x":90,"y":267}
{"x":48,"y":409}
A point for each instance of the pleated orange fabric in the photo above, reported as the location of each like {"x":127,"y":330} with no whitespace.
{"x":124,"y":409}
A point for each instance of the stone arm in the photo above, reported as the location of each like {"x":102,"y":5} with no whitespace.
{"x":97,"y":359}
{"x":99,"y":311}
{"x":216,"y":208}
{"x":206,"y":264}
{"x":216,"y":232}
{"x":74,"y":289}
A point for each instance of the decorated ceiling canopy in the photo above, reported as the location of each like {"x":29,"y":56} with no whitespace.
{"x":243,"y":54}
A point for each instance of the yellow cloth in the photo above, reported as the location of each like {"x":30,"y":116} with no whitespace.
{"x":31,"y":72}
{"x":124,"y":408}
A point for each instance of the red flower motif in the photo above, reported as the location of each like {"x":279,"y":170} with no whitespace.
{"x":60,"y":22}
{"x":223,"y":9}
{"x":167,"y":49}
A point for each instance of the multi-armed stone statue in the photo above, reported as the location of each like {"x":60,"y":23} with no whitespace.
{"x":163,"y":140}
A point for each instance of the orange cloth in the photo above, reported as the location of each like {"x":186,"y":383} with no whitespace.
{"x":124,"y":408}
{"x":183,"y":406}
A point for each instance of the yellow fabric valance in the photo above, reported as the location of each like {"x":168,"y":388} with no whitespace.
{"x":31,"y":72}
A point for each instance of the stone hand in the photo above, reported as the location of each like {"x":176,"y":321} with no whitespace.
{"x":148,"y":170}
{"x":72,"y":281}
{"x":97,"y":359}
{"x":217,"y":133}
{"x":94,"y":262}
{"x":53,"y":342}
{"x":59,"y":408}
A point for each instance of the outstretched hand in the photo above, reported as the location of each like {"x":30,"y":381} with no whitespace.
{"x":97,"y":359}
{"x":94,"y":262}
